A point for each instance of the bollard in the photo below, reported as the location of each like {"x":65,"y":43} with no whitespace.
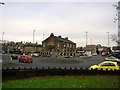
{"x":10,"y":60}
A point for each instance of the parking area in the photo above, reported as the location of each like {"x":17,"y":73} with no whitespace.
{"x":76,"y":62}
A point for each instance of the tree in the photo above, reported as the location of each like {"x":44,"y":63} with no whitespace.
{"x":116,"y":38}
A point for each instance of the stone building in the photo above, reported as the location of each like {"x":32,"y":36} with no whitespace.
{"x":28,"y":48}
{"x":58,"y":46}
{"x":90,"y":48}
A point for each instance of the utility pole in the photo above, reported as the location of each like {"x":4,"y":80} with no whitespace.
{"x":2,"y":37}
{"x":33,"y":41}
{"x":86,"y":37}
{"x":1,"y":45}
{"x":91,"y":41}
{"x":118,"y":18}
{"x":108,"y":40}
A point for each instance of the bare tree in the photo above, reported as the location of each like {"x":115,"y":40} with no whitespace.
{"x":116,"y":38}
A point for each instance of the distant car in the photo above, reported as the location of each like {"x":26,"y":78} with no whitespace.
{"x":14,"y":56}
{"x":3,"y":52}
{"x":106,"y":65}
{"x":67,"y":56}
{"x":94,"y":54}
{"x":25,"y":58}
{"x":35,"y":55}
{"x":111,"y":58}
{"x":104,"y":53}
{"x":88,"y":54}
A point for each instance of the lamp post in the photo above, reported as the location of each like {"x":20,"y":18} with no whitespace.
{"x":108,"y":39}
{"x":43,"y":36}
{"x":86,"y":37}
{"x":3,"y":37}
{"x":1,"y":3}
{"x":33,"y":41}
{"x":118,"y":18}
{"x":91,"y":41}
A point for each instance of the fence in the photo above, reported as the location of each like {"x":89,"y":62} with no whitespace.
{"x":31,"y":72}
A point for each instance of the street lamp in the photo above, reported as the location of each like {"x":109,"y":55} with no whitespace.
{"x":91,"y":41}
{"x":2,"y":37}
{"x":108,"y":38}
{"x":1,"y":3}
{"x":33,"y":40}
{"x":43,"y":36}
{"x":86,"y":37}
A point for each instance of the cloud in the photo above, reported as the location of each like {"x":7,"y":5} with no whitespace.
{"x":61,"y":0}
{"x":65,"y":19}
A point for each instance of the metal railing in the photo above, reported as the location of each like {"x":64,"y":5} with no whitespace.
{"x":20,"y":73}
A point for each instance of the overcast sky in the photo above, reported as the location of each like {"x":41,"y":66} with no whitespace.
{"x":68,"y":19}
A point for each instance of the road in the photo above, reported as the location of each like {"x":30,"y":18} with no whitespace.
{"x":76,"y":62}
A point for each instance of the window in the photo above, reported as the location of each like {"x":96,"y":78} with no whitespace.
{"x":43,"y":45}
{"x":73,"y":46}
{"x":111,"y":64}
{"x":107,"y":64}
{"x":104,"y":64}
{"x":68,"y":45}
{"x":58,"y":45}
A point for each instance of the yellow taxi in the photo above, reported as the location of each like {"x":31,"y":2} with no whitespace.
{"x":106,"y":65}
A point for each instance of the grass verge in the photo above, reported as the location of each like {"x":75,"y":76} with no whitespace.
{"x":97,"y":81}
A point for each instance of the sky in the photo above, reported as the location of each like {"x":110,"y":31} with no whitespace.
{"x":66,"y":18}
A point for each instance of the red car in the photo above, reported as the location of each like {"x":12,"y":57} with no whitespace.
{"x":25,"y":59}
{"x":104,"y":53}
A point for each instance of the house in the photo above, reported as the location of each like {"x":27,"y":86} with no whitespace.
{"x":90,"y":48}
{"x":30,"y":48}
{"x":58,"y":46}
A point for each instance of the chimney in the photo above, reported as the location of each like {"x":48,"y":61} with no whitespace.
{"x":66,"y":38}
{"x":52,"y":34}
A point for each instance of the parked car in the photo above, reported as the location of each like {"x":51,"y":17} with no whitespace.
{"x":67,"y":56}
{"x":106,"y":65}
{"x":35,"y":55}
{"x":25,"y":58}
{"x":94,"y":54}
{"x":3,"y":52}
{"x":88,"y":54}
{"x":104,"y":53}
{"x":117,"y":55}
{"x":111,"y":58}
{"x":14,"y":56}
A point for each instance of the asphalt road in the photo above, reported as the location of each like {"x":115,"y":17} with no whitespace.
{"x":76,"y":62}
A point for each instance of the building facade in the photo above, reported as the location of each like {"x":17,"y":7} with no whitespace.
{"x":30,"y":48}
{"x":58,"y":46}
{"x":91,"y":48}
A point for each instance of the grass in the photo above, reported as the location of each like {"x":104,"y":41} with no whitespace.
{"x":64,"y":82}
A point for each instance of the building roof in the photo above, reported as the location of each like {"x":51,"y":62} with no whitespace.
{"x":59,"y":38}
{"x":90,"y":46}
{"x":31,"y":45}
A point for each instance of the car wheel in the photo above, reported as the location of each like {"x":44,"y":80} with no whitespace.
{"x":31,"y":61}
{"x":106,"y":69}
{"x":95,"y":69}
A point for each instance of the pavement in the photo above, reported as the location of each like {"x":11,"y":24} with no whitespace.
{"x":76,"y":62}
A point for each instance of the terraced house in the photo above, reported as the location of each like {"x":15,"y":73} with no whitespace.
{"x":58,"y":46}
